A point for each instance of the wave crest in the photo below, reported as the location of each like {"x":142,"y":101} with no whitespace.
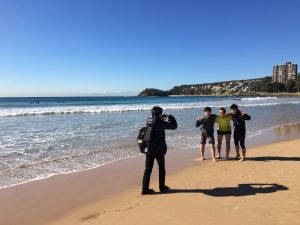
{"x":258,"y":98}
{"x":97,"y":109}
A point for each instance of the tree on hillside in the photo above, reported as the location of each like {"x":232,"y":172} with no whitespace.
{"x":276,"y":87}
{"x":291,"y":86}
{"x":263,"y":85}
{"x":298,"y":82}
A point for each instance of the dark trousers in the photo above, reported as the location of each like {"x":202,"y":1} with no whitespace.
{"x":148,"y":170}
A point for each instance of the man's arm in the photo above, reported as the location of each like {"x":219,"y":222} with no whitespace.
{"x":217,"y":119}
{"x":171,"y":124}
{"x":246,"y":116}
{"x":199,"y":122}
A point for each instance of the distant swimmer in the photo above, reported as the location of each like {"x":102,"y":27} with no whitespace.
{"x":36,"y":101}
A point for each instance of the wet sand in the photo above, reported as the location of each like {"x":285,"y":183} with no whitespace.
{"x":40,"y":202}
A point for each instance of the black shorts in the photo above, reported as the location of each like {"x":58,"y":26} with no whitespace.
{"x":239,"y":138}
{"x":223,"y":132}
{"x":204,"y":136}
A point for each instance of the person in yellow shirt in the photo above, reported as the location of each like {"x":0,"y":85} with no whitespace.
{"x":224,"y":129}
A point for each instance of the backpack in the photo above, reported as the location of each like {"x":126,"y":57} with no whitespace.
{"x":143,"y":138}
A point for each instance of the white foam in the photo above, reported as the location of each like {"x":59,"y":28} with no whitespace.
{"x":96,"y":109}
{"x":258,"y":98}
{"x":64,"y":173}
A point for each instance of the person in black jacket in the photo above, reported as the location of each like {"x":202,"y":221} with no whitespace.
{"x":157,"y":148}
{"x":239,"y":134}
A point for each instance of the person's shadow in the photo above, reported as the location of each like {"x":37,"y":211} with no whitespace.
{"x":240,"y":190}
{"x":273,"y":158}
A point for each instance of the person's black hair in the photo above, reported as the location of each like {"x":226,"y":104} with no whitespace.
{"x":156,"y":110}
{"x":223,"y":109}
{"x":207,"y":109}
{"x":234,"y":106}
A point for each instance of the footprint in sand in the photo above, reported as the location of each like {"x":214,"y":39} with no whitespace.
{"x":130,"y":207}
{"x":89,"y":217}
{"x":92,"y":216}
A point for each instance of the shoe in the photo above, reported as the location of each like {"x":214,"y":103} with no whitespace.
{"x":164,"y":189}
{"x":148,"y":192}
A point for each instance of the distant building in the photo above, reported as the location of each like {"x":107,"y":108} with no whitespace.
{"x":284,"y":73}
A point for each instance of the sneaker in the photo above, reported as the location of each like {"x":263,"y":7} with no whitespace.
{"x":148,"y":192}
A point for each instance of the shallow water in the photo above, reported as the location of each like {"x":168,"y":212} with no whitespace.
{"x":41,"y":137}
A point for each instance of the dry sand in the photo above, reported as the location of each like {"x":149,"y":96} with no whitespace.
{"x":265,"y":189}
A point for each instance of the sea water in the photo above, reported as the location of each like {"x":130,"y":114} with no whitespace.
{"x":42,"y":137}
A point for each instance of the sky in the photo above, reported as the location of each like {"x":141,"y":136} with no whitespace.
{"x":110,"y":47}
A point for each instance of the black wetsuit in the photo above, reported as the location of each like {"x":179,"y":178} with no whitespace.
{"x":239,"y":134}
{"x":157,"y":148}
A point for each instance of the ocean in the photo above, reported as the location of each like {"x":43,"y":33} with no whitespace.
{"x":42,"y":137}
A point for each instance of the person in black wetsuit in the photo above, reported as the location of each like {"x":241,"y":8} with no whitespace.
{"x":239,"y":134}
{"x":157,"y":148}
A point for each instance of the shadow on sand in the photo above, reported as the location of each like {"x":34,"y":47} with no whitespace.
{"x":240,"y":190}
{"x":273,"y":158}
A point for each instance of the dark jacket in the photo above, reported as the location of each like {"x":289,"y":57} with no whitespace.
{"x":239,"y":120}
{"x":206,"y":124}
{"x":157,"y":144}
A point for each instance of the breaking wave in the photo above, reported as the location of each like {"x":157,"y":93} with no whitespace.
{"x":258,"y":98}
{"x":96,"y":109}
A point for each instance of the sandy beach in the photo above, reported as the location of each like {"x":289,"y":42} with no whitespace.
{"x":87,"y":87}
{"x":262,"y":190}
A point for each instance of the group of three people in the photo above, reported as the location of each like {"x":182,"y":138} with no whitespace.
{"x":157,"y":147}
{"x":206,"y":124}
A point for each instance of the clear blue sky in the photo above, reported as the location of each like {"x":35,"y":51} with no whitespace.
{"x":94,"y":47}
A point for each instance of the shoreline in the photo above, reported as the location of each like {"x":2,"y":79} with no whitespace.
{"x":263,"y":137}
{"x":71,"y":172}
{"x":59,"y":186}
{"x":66,"y":188}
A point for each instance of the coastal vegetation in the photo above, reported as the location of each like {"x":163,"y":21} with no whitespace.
{"x":153,"y":92}
{"x":234,"y":87}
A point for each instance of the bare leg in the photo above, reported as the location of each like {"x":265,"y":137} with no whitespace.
{"x":243,"y":150}
{"x":227,"y":137}
{"x":237,"y":148}
{"x":220,"y":138}
{"x":202,"y":149}
{"x":213,"y":152}
{"x":243,"y":155}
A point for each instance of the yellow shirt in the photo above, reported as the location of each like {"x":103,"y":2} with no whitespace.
{"x":224,"y":123}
